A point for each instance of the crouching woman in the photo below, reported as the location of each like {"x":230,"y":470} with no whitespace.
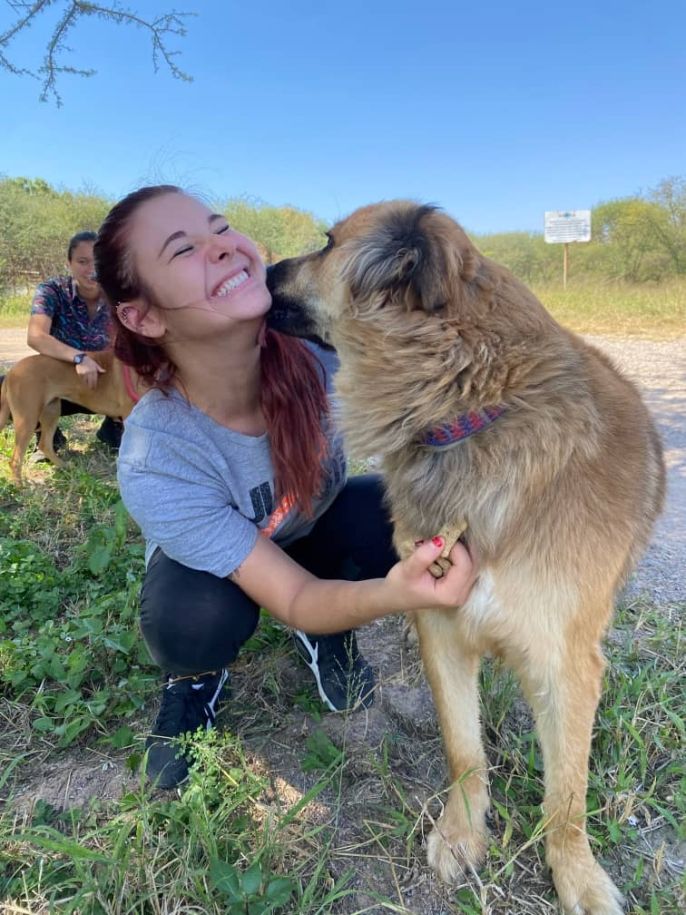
{"x":232,"y":469}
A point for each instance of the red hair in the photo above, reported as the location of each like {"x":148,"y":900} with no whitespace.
{"x":295,"y":406}
{"x":292,"y":393}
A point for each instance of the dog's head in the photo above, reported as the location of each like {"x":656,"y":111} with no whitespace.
{"x":389,"y":256}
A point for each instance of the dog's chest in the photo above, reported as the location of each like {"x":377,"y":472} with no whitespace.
{"x":483,"y":621}
{"x":430,"y":491}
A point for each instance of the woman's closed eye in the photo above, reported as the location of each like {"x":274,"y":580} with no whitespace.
{"x":185,"y":248}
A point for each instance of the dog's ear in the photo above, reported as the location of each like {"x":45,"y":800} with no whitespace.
{"x":413,"y":258}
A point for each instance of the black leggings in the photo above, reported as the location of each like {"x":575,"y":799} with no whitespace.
{"x":194,"y":621}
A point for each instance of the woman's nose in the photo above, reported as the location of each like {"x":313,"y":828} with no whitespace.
{"x":221,"y":246}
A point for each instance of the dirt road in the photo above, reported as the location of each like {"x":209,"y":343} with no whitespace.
{"x":12,"y":346}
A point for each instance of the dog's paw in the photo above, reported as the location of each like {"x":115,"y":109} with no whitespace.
{"x":585,"y":889}
{"x":451,"y":854}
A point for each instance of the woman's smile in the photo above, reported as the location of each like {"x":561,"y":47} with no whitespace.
{"x":233,"y":282}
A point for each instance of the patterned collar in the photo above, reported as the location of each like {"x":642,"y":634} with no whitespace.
{"x":468,"y":424}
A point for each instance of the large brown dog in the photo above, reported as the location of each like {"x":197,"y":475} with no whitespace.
{"x":31,"y":392}
{"x":487,"y":414}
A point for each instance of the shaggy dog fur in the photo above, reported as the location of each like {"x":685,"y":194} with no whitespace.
{"x":558,"y":494}
{"x":32,"y":390}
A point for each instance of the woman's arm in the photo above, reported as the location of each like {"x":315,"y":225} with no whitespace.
{"x":38,"y":337}
{"x":291,"y":594}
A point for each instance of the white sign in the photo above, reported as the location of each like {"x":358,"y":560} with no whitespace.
{"x":567,"y":225}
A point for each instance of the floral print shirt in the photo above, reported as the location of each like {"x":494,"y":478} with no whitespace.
{"x":59,"y":299}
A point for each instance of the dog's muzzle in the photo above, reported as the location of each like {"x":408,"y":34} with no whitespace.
{"x":287,"y":315}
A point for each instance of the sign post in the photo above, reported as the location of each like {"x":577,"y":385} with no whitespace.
{"x":563,"y":227}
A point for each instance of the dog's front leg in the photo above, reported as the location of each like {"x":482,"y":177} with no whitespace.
{"x":460,"y":839}
{"x":563,"y":688}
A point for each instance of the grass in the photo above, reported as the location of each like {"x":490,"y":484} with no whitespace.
{"x":14,"y":310}
{"x":656,"y":311}
{"x":288,"y":809}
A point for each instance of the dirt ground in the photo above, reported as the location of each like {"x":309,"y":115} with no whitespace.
{"x":12,"y":346}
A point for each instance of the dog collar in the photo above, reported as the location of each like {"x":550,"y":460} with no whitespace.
{"x":468,"y":424}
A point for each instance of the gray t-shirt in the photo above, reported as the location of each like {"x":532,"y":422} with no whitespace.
{"x":202,"y":492}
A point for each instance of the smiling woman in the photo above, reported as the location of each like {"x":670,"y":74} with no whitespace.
{"x":233,"y":470}
{"x":69,"y":318}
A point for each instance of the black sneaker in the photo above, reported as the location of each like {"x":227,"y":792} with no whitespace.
{"x":59,"y":440}
{"x":110,"y":433}
{"x":344,"y":679}
{"x":188,"y":703}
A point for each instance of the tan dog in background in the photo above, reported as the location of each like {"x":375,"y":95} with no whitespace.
{"x":558,"y":486}
{"x":32,"y":390}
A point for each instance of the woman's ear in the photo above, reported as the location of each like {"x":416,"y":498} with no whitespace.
{"x":141,"y":318}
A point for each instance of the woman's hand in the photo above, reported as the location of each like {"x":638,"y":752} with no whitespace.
{"x":275,"y":581}
{"x":89,"y":370}
{"x":416,"y":587}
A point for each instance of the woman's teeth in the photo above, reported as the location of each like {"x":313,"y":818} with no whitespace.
{"x":236,"y":280}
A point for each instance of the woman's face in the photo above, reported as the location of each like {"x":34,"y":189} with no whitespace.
{"x":82,"y":267}
{"x":203,"y":274}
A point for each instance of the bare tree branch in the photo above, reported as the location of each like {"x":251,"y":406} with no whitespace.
{"x":160,"y":30}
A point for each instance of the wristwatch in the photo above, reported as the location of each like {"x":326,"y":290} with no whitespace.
{"x":79,"y":357}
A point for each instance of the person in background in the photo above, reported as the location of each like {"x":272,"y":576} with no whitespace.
{"x":68,"y":317}
{"x":232,"y":468}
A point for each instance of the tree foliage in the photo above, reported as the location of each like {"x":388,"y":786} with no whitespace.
{"x":278,"y":231}
{"x":160,"y":30}
{"x":37,"y":221}
{"x":525,"y":253}
{"x":670,"y":219}
{"x":638,"y":239}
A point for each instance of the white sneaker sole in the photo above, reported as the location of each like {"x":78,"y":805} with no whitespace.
{"x":312,"y":663}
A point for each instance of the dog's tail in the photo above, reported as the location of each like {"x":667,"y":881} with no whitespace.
{"x":4,"y":403}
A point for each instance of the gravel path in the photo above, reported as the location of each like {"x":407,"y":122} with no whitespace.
{"x":659,"y":368}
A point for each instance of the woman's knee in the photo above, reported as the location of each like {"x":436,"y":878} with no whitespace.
{"x":193,"y":621}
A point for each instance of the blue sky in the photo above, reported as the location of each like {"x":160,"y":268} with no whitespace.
{"x":496,"y":111}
